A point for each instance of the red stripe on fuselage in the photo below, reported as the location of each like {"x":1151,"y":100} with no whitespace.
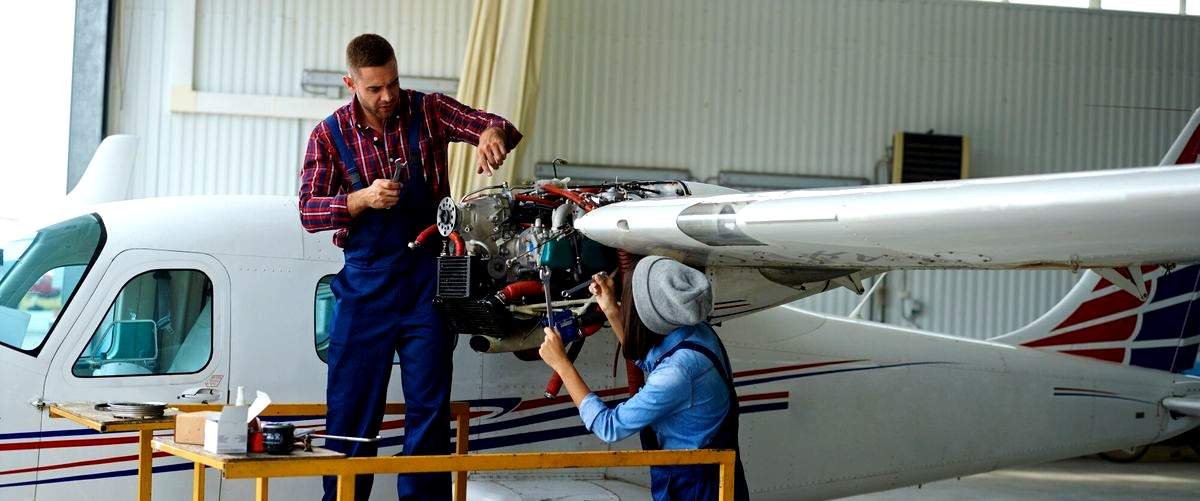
{"x":90,"y":462}
{"x":772,"y":370}
{"x":545,"y":402}
{"x":762,"y":396}
{"x":56,"y":444}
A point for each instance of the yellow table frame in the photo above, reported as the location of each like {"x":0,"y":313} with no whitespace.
{"x":461,"y":411}
{"x":145,"y":428}
{"x":346,"y":468}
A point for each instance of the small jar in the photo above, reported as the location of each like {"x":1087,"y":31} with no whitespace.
{"x":279,"y":437}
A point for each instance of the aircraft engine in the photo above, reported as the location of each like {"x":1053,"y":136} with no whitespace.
{"x":505,"y":247}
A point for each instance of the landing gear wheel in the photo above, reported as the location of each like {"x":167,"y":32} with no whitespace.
{"x":1128,"y":455}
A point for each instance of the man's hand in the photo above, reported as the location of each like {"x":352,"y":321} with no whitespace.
{"x":602,"y":288}
{"x":491,"y":152}
{"x":552,"y":351}
{"x":381,"y":194}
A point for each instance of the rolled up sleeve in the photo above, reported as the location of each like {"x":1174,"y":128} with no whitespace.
{"x":323,"y":204}
{"x":458,"y":122}
{"x":667,"y":390}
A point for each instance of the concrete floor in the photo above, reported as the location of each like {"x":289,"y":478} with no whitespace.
{"x":1158,"y":477}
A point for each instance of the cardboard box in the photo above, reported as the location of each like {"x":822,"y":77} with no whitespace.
{"x":189,"y":427}
{"x":225,"y":433}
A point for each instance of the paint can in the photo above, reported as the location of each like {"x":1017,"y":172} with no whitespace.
{"x":279,"y":437}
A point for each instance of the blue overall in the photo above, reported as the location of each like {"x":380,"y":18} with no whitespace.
{"x":385,"y":305}
{"x":692,"y":482}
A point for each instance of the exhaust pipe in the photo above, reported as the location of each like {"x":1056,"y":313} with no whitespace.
{"x":491,"y":344}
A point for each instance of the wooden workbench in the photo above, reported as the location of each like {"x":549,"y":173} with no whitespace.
{"x":104,"y":421}
{"x":239,"y":465}
{"x":262,"y":467}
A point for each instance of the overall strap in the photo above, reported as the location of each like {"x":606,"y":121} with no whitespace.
{"x":339,"y":143}
{"x":722,"y":367}
{"x":649,"y":439}
{"x":413,"y":135}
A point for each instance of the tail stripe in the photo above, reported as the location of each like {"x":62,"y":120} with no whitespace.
{"x":1113,"y":325}
{"x":1191,"y":152}
{"x":1186,"y":148}
{"x":1108,"y":355}
{"x":1115,"y":301}
{"x":1113,"y":330}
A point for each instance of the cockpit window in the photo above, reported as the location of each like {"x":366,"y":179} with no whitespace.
{"x":160,"y":323}
{"x":40,"y":274}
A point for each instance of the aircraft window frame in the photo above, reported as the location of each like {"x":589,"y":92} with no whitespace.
{"x":101,"y":241}
{"x":211,"y":298}
{"x":316,"y":344}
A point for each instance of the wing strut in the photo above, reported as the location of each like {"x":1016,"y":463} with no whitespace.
{"x":1134,"y":284}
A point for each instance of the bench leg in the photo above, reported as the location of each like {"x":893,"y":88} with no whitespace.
{"x":260,"y":489}
{"x":145,"y":464}
{"x":726,"y":473}
{"x":198,"y":482}
{"x":345,"y":487}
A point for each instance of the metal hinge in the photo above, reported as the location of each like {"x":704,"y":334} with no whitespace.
{"x":38,"y":403}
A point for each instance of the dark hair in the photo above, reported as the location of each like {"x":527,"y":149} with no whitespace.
{"x":638,"y":338}
{"x":368,"y":50}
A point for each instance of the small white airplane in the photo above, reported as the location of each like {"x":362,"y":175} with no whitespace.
{"x":181,"y":299}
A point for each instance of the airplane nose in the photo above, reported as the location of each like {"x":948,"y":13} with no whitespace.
{"x":615,"y":226}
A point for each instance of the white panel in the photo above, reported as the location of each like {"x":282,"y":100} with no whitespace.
{"x":254,"y":48}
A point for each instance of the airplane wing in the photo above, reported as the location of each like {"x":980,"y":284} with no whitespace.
{"x":1099,"y":219}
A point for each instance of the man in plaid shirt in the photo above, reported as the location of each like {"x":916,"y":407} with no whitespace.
{"x":375,"y":171}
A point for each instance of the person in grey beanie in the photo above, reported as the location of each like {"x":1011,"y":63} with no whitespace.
{"x":688,"y":400}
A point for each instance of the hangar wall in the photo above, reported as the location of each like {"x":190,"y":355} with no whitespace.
{"x":813,"y":87}
{"x":818,"y":87}
{"x":253,"y":48}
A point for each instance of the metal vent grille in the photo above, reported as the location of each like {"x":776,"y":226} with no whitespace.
{"x":454,"y":277}
{"x":476,"y":318}
{"x":929,"y":157}
{"x":485,"y":315}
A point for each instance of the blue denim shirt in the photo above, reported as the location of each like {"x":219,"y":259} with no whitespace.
{"x":684,"y":399}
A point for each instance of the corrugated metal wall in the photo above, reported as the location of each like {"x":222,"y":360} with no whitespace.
{"x":818,"y":87}
{"x":255,"y":48}
{"x":813,"y":87}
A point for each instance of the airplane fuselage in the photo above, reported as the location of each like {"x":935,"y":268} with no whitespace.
{"x":831,"y":406}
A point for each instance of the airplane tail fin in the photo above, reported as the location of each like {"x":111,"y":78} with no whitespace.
{"x":1186,"y":148}
{"x":1146,"y":316}
{"x":108,"y":174}
{"x":1099,"y":319}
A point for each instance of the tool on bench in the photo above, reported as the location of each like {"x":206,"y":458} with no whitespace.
{"x":307,"y":436}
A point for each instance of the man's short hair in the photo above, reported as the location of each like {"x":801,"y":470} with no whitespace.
{"x":368,"y":50}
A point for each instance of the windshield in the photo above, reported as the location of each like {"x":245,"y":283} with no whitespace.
{"x":40,"y":273}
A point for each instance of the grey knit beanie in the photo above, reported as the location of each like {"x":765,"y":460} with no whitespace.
{"x":670,"y":294}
